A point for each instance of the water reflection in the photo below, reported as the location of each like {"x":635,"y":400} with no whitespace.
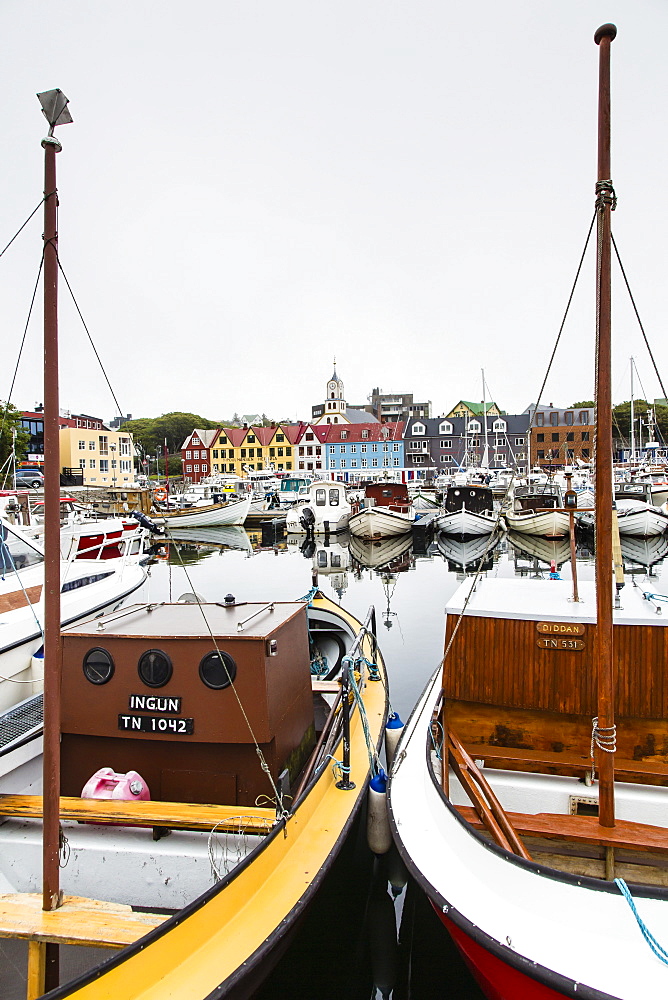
{"x":387,"y":941}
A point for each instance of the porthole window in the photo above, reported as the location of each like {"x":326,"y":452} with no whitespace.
{"x":217,"y":670}
{"x":98,"y":666}
{"x":155,"y":668}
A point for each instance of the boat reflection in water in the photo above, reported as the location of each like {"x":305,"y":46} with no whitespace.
{"x":329,"y":555}
{"x":533,"y":547}
{"x":464,"y":555}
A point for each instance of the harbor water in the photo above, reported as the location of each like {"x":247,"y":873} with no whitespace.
{"x":370,"y":933}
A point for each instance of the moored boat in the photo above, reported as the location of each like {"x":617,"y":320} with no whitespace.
{"x":384,"y":511}
{"x":468,"y":510}
{"x":529,"y":792}
{"x":535,"y":510}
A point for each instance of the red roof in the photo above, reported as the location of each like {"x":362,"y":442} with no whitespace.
{"x":390,"y":431}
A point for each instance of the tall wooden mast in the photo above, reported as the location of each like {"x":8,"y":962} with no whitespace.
{"x":604,"y":732}
{"x":54,"y":107}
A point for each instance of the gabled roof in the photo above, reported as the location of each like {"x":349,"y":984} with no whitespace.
{"x":294,"y":432}
{"x":265,"y":435}
{"x":235,"y":435}
{"x":206,"y":437}
{"x":360,"y":416}
{"x":477,"y":408}
{"x":390,"y":431}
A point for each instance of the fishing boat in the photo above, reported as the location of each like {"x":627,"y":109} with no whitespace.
{"x":529,"y":793}
{"x":537,"y":509}
{"x":468,"y":510}
{"x":200,"y":771}
{"x":324,"y":509}
{"x":384,"y":511}
{"x":637,"y":515}
{"x":206,"y":515}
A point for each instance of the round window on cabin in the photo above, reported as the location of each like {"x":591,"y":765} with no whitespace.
{"x":98,"y":666}
{"x":155,"y":668}
{"x":217,"y":670}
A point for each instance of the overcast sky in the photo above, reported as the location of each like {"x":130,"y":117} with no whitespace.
{"x":250,"y":188}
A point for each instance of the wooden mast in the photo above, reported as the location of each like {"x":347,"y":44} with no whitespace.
{"x":54,"y":107}
{"x":604,"y":558}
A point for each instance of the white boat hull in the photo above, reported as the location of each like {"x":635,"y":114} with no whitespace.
{"x":465,"y":522}
{"x":550,"y":523}
{"x":380,"y":522}
{"x":206,"y":517}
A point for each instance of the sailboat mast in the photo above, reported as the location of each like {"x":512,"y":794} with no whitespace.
{"x":485,"y":461}
{"x":604,"y":558}
{"x":633,"y":433}
{"x":54,"y":108}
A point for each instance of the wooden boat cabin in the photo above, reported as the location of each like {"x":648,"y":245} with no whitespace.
{"x":149,"y":689}
{"x":533,"y":498}
{"x":392,"y":495}
{"x":642,"y":492}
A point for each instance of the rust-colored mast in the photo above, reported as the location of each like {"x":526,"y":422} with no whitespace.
{"x":604,"y":484}
{"x":54,"y":106}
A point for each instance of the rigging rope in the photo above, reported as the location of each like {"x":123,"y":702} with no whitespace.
{"x":23,"y":340}
{"x":658,"y":950}
{"x":18,"y":231}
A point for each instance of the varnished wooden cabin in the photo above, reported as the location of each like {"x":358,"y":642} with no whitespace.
{"x":148,"y":689}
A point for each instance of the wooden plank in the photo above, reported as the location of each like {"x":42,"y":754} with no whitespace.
{"x":36,"y":969}
{"x":583,"y":829}
{"x":89,"y":922}
{"x":326,"y":687}
{"x":625,"y":770}
{"x":172,"y":815}
{"x":17,"y":598}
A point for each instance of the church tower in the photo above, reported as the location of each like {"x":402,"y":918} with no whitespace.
{"x":335,"y":403}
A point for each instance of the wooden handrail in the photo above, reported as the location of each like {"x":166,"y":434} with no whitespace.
{"x":485,"y":802}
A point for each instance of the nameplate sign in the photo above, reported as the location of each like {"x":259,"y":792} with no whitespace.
{"x":156,"y":724}
{"x":560,"y":642}
{"x":155,"y":703}
{"x":560,"y":628}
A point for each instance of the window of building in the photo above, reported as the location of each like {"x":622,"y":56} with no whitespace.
{"x":222,"y":439}
{"x":343,"y":463}
{"x":499,"y":426}
{"x":445,"y":427}
{"x":554,"y":418}
{"x":386,"y":447}
{"x":584,"y":416}
{"x":570,"y":436}
{"x":103,"y":442}
{"x":353,"y":447}
{"x":540,"y":437}
{"x":474,"y":427}
{"x":353,"y":463}
{"x":374,"y":447}
{"x":195,"y":468}
{"x":344,"y":435}
{"x":364,"y":463}
{"x":584,"y":435}
{"x":396,"y":447}
{"x":189,"y":468}
{"x":189,"y":454}
{"x":332,"y":449}
{"x":475,"y":442}
{"x":585,"y":452}
{"x":82,"y":463}
{"x":540,"y":419}
{"x":280,"y":437}
{"x":365,"y":433}
{"x":104,"y":465}
{"x":446,"y":444}
{"x":374,"y":462}
{"x":555,"y":437}
{"x":418,"y":429}
{"x":519,"y":441}
{"x":362,"y":447}
{"x":82,"y":445}
{"x":91,"y":463}
{"x":396,"y":461}
{"x":243,"y":452}
{"x":568,"y":417}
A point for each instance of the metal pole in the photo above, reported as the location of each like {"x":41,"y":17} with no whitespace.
{"x":604,"y":639}
{"x":633,"y":437}
{"x":51,"y":897}
{"x":345,"y":783}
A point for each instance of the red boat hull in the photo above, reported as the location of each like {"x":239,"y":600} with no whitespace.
{"x":497,"y":979}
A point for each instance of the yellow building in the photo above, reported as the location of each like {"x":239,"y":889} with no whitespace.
{"x":464,"y":408}
{"x":239,"y":450}
{"x":105,"y":457}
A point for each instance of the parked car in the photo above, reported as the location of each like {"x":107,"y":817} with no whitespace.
{"x":31,"y":478}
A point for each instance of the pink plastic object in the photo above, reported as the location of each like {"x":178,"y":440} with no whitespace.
{"x":108,"y":784}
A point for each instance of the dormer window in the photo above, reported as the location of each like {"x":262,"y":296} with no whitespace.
{"x":365,"y":434}
{"x":499,"y":426}
{"x":474,"y":427}
{"x":344,"y":435}
{"x":418,"y":429}
{"x":445,"y":427}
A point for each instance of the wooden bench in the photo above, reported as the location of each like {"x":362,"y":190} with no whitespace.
{"x":77,"y":921}
{"x":582,"y":829}
{"x":166,"y":815}
{"x":513,"y":759}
